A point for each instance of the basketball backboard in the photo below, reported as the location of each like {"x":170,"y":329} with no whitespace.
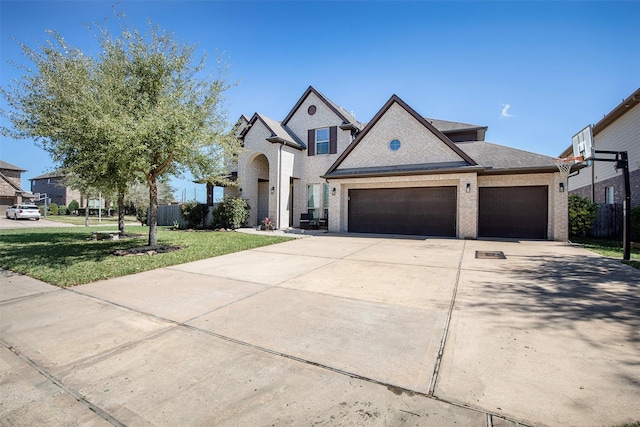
{"x":583,"y":144}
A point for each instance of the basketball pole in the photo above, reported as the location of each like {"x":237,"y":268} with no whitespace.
{"x":622,"y":162}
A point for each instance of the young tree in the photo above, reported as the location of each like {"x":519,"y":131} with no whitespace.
{"x":142,"y":109}
{"x":138,"y":195}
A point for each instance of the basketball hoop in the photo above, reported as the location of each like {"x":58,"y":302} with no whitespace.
{"x":564,"y":164}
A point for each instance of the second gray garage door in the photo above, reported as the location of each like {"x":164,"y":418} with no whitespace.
{"x":513,"y":212}
{"x":429,"y":211}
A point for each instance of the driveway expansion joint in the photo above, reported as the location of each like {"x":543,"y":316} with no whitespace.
{"x":445,"y":332}
{"x":73,"y":393}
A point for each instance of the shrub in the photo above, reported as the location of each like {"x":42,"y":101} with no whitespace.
{"x":62,"y":210}
{"x":582,"y":215}
{"x":53,"y":208}
{"x":635,"y":222}
{"x":74,"y":206}
{"x":194,"y":213}
{"x":231,"y":213}
{"x":141,"y":215}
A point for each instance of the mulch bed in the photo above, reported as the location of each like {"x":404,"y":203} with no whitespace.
{"x":146,"y":250}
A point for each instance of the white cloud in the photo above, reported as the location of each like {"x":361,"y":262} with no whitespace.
{"x":505,"y":111}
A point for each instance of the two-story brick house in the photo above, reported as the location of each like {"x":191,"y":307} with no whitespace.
{"x":11,"y":191}
{"x":53,"y":185}
{"x":400,"y":173}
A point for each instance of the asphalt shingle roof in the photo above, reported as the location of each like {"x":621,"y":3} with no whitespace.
{"x":9,"y":166}
{"x":282,"y":132}
{"x":494,"y":156}
{"x":54,"y":174}
{"x":447,"y":126}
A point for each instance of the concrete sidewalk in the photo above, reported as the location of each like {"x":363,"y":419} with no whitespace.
{"x":332,"y":330}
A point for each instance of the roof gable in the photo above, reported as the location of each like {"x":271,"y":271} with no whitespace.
{"x":422,"y":143}
{"x":346,"y":117}
{"x":279,"y":133}
{"x":11,"y":183}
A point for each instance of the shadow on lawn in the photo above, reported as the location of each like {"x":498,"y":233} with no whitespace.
{"x":57,"y":248}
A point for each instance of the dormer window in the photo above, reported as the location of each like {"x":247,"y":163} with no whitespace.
{"x":322,"y":141}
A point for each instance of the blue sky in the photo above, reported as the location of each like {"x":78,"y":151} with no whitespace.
{"x":534,"y":72}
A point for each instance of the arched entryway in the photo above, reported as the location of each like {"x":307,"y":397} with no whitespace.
{"x":260,"y":203}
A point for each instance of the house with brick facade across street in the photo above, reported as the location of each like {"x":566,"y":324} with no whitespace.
{"x":618,"y":130}
{"x":53,"y":184}
{"x":11,"y":192}
{"x":400,"y":173}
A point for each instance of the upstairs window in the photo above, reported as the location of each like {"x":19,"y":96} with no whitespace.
{"x":322,"y":141}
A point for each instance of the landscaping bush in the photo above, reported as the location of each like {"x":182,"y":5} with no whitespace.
{"x":582,"y":215}
{"x":231,"y":213}
{"x":74,"y":206}
{"x":62,"y":210}
{"x":53,"y":208}
{"x":194,"y":213}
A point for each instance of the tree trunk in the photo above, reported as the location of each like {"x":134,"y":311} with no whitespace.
{"x":86,"y":214}
{"x":121,"y":211}
{"x":153,"y":211}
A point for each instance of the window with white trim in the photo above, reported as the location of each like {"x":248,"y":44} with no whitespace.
{"x":322,"y":141}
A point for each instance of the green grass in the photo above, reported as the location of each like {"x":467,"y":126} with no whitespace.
{"x":608,"y":247}
{"x":65,"y":257}
{"x":93,"y":220}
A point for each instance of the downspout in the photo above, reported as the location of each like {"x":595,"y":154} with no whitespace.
{"x":279,"y":196}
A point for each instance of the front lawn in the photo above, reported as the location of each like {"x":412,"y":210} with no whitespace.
{"x":66,"y":256}
{"x":608,"y":247}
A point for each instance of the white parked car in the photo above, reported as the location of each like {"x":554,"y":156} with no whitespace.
{"x":23,"y":211}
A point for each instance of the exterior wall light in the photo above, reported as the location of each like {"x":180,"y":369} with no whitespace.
{"x":240,"y":190}
{"x":468,"y":187}
{"x":562,"y":187}
{"x":273,"y":190}
{"x":333,"y":191}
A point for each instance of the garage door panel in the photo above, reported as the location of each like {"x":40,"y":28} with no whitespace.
{"x":513,"y":212}
{"x":420,"y":211}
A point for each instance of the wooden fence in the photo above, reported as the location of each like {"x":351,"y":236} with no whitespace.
{"x":167,"y":214}
{"x":608,"y":222}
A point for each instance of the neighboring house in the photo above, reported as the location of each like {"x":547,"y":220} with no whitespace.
{"x":52,"y":184}
{"x":619,"y":130}
{"x":10,"y":191}
{"x":399,"y":174}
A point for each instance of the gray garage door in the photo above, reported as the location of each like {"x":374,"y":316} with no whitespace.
{"x":5,"y":202}
{"x":513,"y":212}
{"x":421,"y":211}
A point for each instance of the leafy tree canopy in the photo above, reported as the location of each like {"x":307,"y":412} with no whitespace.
{"x":143,"y":109}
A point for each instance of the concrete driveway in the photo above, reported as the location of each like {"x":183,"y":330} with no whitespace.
{"x":29,"y":223}
{"x":332,"y":330}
